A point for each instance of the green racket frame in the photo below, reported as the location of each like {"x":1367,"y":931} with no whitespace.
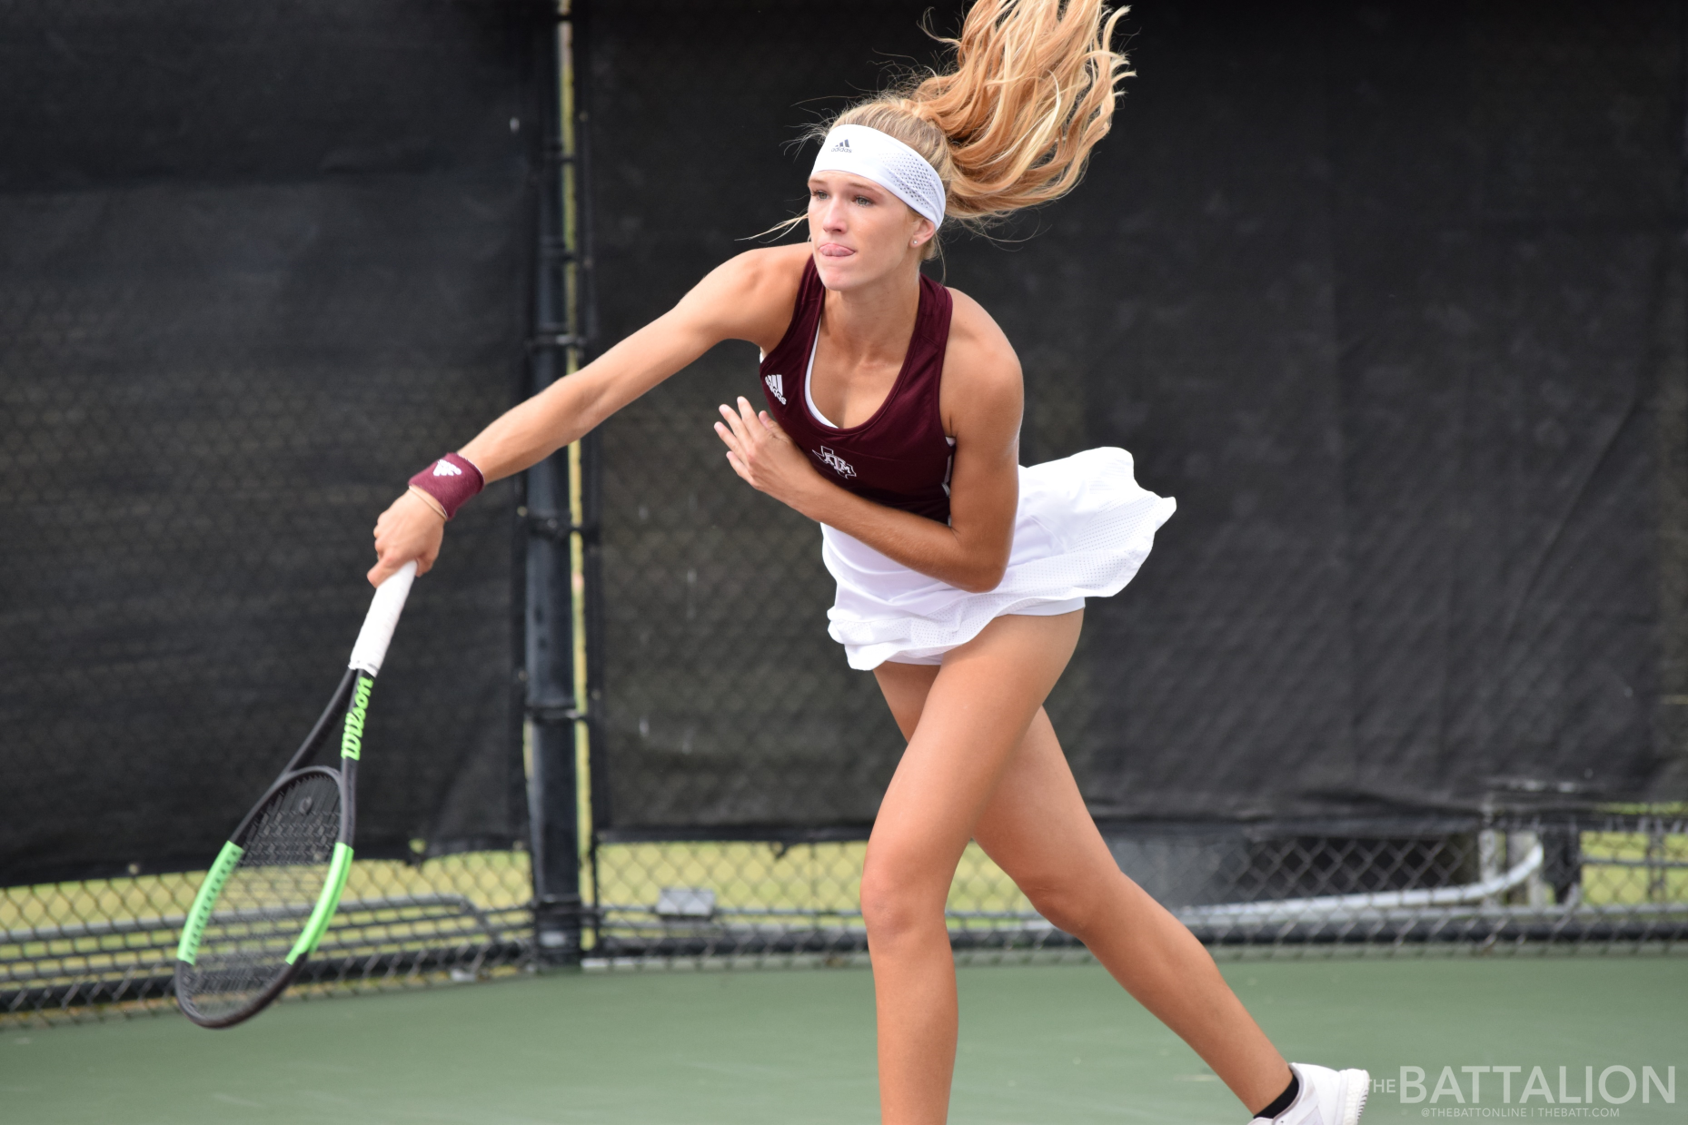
{"x":351,"y":698}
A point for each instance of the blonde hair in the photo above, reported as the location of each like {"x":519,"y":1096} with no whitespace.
{"x":1012,"y":124}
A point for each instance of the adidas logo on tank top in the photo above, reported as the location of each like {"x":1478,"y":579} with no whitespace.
{"x":776,"y":387}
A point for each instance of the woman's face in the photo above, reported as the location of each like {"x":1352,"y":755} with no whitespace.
{"x":861,"y":232}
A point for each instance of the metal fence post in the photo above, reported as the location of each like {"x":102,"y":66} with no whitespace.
{"x":552,"y":703}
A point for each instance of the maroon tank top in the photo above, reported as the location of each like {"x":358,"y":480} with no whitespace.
{"x":900,"y":457}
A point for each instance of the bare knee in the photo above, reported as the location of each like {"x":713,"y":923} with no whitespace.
{"x":1070,"y":902}
{"x":899,"y":901}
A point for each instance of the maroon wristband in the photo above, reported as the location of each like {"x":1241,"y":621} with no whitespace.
{"x":451,"y":480}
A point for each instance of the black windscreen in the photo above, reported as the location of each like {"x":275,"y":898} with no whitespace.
{"x":258,"y":264}
{"x":1388,"y":296}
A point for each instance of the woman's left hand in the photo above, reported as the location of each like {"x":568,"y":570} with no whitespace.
{"x":762,"y":453}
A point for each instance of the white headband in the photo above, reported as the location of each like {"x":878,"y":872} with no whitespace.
{"x":889,"y":163}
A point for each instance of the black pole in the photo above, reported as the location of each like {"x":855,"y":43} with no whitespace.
{"x":553,"y":803}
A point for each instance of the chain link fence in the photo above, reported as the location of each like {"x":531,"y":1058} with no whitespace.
{"x":100,"y":947}
{"x":1605,"y":882}
{"x":1614,"y":882}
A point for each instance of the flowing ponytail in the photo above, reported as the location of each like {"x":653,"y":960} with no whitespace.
{"x":1011,"y":126}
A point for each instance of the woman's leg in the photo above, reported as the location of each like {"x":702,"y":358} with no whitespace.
{"x":977,"y":708}
{"x":1038,"y":830}
{"x":1036,"y":827}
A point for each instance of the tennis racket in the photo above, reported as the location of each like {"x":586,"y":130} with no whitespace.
{"x":274,"y":887}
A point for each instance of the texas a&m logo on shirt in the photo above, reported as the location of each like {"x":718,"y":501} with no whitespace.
{"x":834,"y":462}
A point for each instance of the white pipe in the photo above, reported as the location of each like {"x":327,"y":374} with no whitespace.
{"x":1289,"y":909}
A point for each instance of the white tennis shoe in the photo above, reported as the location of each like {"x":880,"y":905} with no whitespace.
{"x":1327,"y":1097}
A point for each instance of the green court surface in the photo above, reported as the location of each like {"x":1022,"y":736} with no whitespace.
{"x":1040,"y":1044}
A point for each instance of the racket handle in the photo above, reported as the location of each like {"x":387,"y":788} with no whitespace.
{"x":382,"y":619}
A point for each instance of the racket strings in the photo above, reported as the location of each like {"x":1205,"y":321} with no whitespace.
{"x":268,"y":897}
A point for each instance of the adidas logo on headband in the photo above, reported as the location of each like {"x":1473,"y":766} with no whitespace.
{"x":888,"y":162}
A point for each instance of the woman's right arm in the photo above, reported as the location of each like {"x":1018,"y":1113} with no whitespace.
{"x":747,"y":298}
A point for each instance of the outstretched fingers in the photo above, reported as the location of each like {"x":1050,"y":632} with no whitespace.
{"x":761,"y":453}
{"x":747,"y":415}
{"x":732,"y":431}
{"x":734,"y":438}
{"x":743,"y":432}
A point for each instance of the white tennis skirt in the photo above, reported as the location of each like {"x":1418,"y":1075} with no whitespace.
{"x":1082,"y":529}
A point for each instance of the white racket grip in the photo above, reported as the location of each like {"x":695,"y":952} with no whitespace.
{"x":382,"y":619}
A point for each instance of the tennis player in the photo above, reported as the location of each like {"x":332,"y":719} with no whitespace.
{"x":893,"y":421}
